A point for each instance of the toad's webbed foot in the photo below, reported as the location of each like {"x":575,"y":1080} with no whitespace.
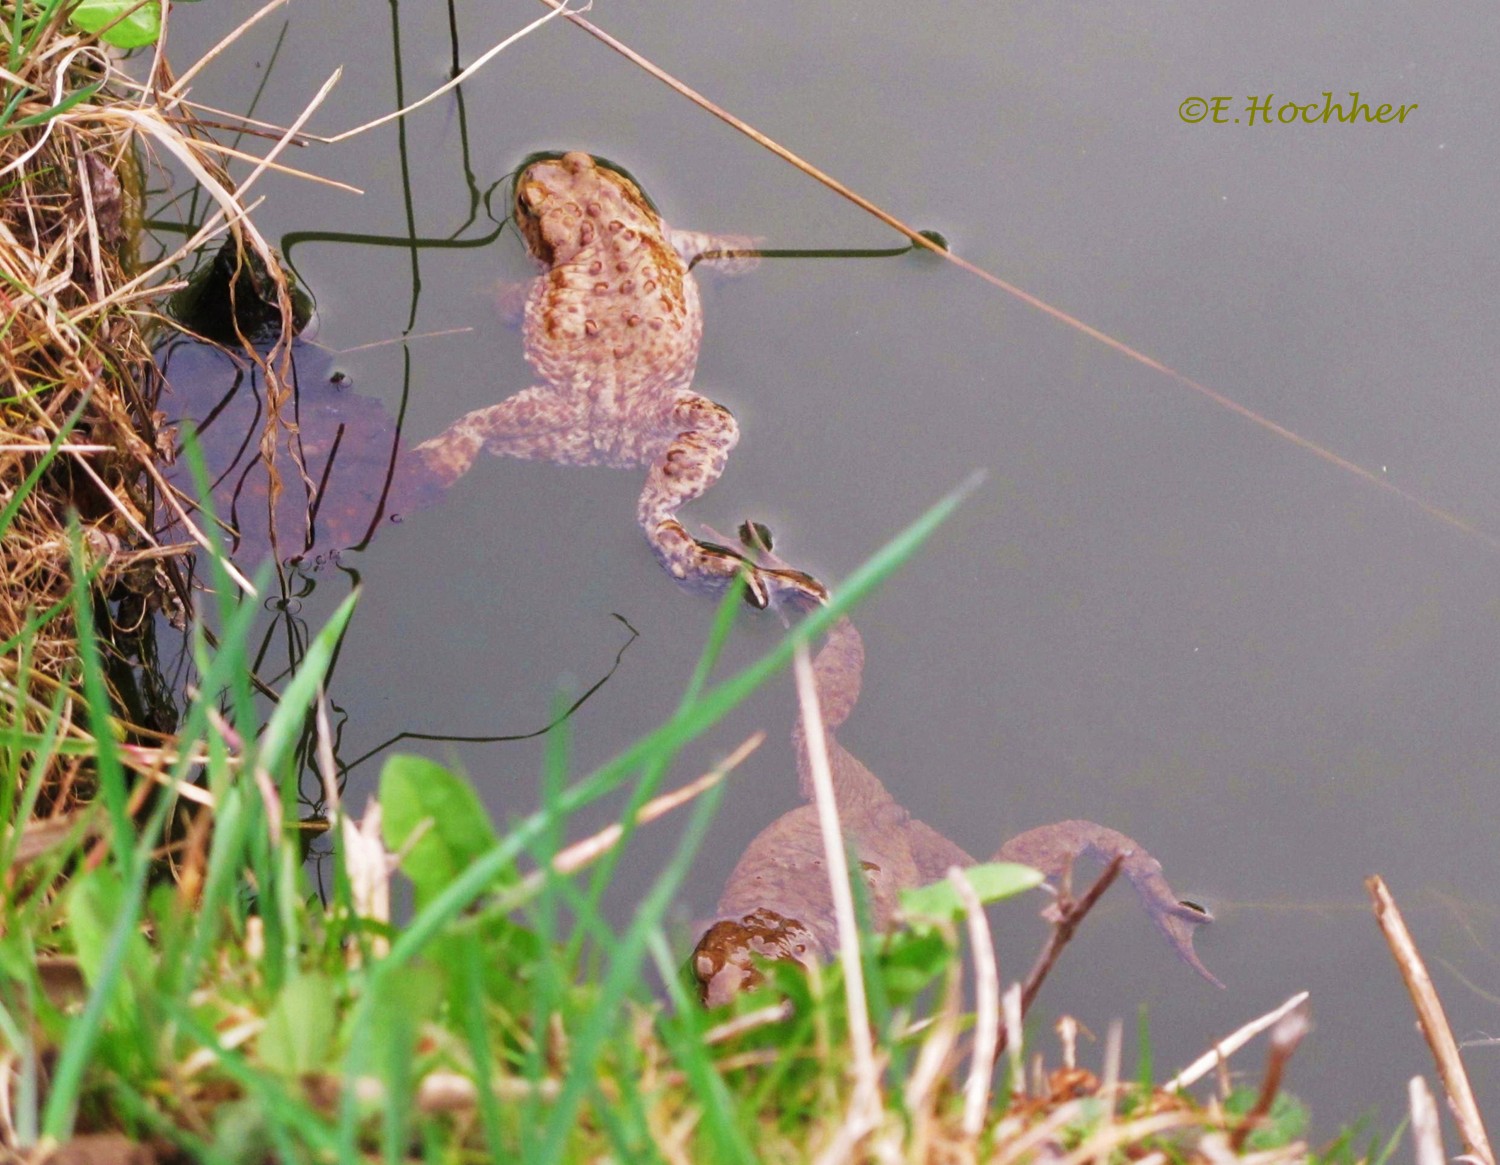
{"x":799,"y":591}
{"x":710,"y":568}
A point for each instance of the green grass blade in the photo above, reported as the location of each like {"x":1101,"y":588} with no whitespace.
{"x":723,"y":624}
{"x":84,"y":1031}
{"x":683,"y":1033}
{"x":688,"y":722}
{"x":477,"y":1035}
{"x":61,"y":107}
{"x":622,"y":976}
{"x":285,"y":724}
{"x":108,"y":771}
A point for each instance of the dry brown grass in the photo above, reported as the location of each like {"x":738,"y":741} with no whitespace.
{"x":73,"y":377}
{"x":78,"y":431}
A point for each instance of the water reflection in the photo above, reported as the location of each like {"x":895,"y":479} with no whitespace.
{"x":778,"y":904}
{"x":326,"y":456}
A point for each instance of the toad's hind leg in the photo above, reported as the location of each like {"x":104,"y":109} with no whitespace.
{"x":692,"y":462}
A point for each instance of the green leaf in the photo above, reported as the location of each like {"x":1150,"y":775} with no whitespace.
{"x":1286,"y":1121}
{"x":140,"y":27}
{"x":911,"y":960}
{"x":992,"y":881}
{"x":95,"y":903}
{"x":418,"y":794}
{"x":298,"y":1035}
{"x":285,"y":725}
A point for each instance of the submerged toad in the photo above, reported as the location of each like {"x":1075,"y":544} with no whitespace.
{"x":777,"y":904}
{"x":612,"y":327}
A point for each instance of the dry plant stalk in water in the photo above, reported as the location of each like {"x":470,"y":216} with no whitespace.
{"x":1433,"y":1022}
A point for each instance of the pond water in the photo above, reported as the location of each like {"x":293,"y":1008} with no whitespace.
{"x":1154,"y":614}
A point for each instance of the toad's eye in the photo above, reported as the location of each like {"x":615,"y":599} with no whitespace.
{"x":530,"y":196}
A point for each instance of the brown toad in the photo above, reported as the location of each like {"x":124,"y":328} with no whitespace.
{"x":778,"y":905}
{"x":612,"y":327}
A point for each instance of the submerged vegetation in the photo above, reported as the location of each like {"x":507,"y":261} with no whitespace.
{"x":172,"y":984}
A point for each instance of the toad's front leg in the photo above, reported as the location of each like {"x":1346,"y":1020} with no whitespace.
{"x":693,"y":461}
{"x":538,"y":423}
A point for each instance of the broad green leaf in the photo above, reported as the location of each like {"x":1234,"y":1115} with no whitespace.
{"x":417,"y":794}
{"x":141,"y":27}
{"x":298,"y":1035}
{"x":992,"y":881}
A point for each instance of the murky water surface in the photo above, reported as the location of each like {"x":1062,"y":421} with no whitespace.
{"x":1154,"y":614}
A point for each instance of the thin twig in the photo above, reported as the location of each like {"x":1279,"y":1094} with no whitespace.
{"x":168,"y":494}
{"x":1100,"y":1146}
{"x":581,"y":853}
{"x":740,"y":1024}
{"x":1109,"y":1085}
{"x":1015,"y":1036}
{"x":1070,"y":914}
{"x":590,"y":849}
{"x":1426,"y":1129}
{"x":559,"y":10}
{"x":1285,"y":1037}
{"x":1432,"y":1021}
{"x":327,"y":765}
{"x":279,"y":167}
{"x":1231,"y":1044}
{"x":937,"y":1048}
{"x":179,"y":90}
